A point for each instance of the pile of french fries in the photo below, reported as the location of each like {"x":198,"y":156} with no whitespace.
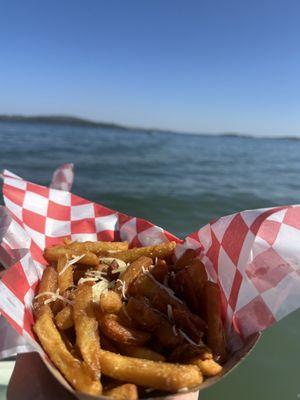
{"x":122,"y":322}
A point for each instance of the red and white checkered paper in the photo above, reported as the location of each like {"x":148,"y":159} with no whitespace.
{"x":63,"y":177}
{"x":253,"y":255}
{"x":11,"y":342}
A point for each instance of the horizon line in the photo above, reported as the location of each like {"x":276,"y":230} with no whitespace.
{"x":66,"y":119}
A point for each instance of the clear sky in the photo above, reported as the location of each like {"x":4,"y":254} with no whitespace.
{"x":203,"y":66}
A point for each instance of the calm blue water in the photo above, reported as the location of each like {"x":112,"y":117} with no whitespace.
{"x":179,"y":182}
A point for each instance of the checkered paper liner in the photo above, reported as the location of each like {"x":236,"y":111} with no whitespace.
{"x":12,"y":343}
{"x":253,"y":255}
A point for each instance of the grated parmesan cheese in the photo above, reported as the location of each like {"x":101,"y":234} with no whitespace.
{"x":174,"y":330}
{"x":98,"y":289}
{"x":74,"y":260}
{"x":53,"y":297}
{"x":188,"y":339}
{"x":170,"y":312}
{"x":184,"y":389}
{"x":149,"y":390}
{"x":122,"y":266}
{"x":167,"y":289}
{"x":123,"y":288}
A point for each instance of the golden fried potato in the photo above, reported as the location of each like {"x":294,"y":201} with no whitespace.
{"x":141,"y":352}
{"x":147,"y":373}
{"x":47,"y":285}
{"x":198,"y":274}
{"x":197,"y":355}
{"x":133,"y":271}
{"x":188,"y":290}
{"x":64,"y":318}
{"x":185,"y":259}
{"x":65,"y":273}
{"x":161,"y":251}
{"x":215,"y":330}
{"x":52,"y":254}
{"x":160,"y":271}
{"x":127,"y":391}
{"x":141,"y":313}
{"x":110,"y":302}
{"x":183,"y":320}
{"x":73,"y":369}
{"x":207,"y":367}
{"x":86,"y":327}
{"x":107,"y":344}
{"x":149,"y":319}
{"x":146,"y":285}
{"x":98,"y":247}
{"x":112,"y":328}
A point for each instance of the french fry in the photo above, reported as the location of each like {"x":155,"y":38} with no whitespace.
{"x":82,"y":269}
{"x":188,"y":290}
{"x":140,"y":312}
{"x":132,"y":272}
{"x":160,"y":251}
{"x":198,"y":274}
{"x":215,"y":330}
{"x":143,"y":285}
{"x":48,"y":285}
{"x":64,"y":318}
{"x":52,"y":254}
{"x":65,"y":273}
{"x":167,"y":334}
{"x":124,"y":318}
{"x":148,"y":319}
{"x":86,"y":327}
{"x":98,"y":247}
{"x":186,"y":352}
{"x":110,"y":302}
{"x":111,"y":327}
{"x":207,"y":367}
{"x":196,"y":355}
{"x":146,"y":285}
{"x":183,"y":321}
{"x":127,"y":391}
{"x":141,"y":352}
{"x":147,"y":373}
{"x":107,"y":344}
{"x":169,"y":312}
{"x":160,"y":270}
{"x":185,"y":259}
{"x":161,"y":299}
{"x":73,"y":369}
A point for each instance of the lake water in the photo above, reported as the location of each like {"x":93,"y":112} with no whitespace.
{"x":179,"y":182}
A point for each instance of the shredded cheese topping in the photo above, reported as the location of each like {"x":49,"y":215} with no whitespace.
{"x":122,"y":266}
{"x":98,"y":289}
{"x":188,"y":339}
{"x":169,"y":290}
{"x":53,"y":297}
{"x":123,"y":288}
{"x":102,"y":285}
{"x":174,"y":329}
{"x":149,"y":390}
{"x":184,"y":389}
{"x":74,"y":260}
{"x":166,"y":279}
{"x":170,"y":312}
{"x":92,"y":276}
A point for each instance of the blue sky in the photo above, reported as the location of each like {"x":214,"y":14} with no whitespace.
{"x":201,"y":66}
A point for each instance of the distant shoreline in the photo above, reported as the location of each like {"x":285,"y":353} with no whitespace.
{"x":76,"y":121}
